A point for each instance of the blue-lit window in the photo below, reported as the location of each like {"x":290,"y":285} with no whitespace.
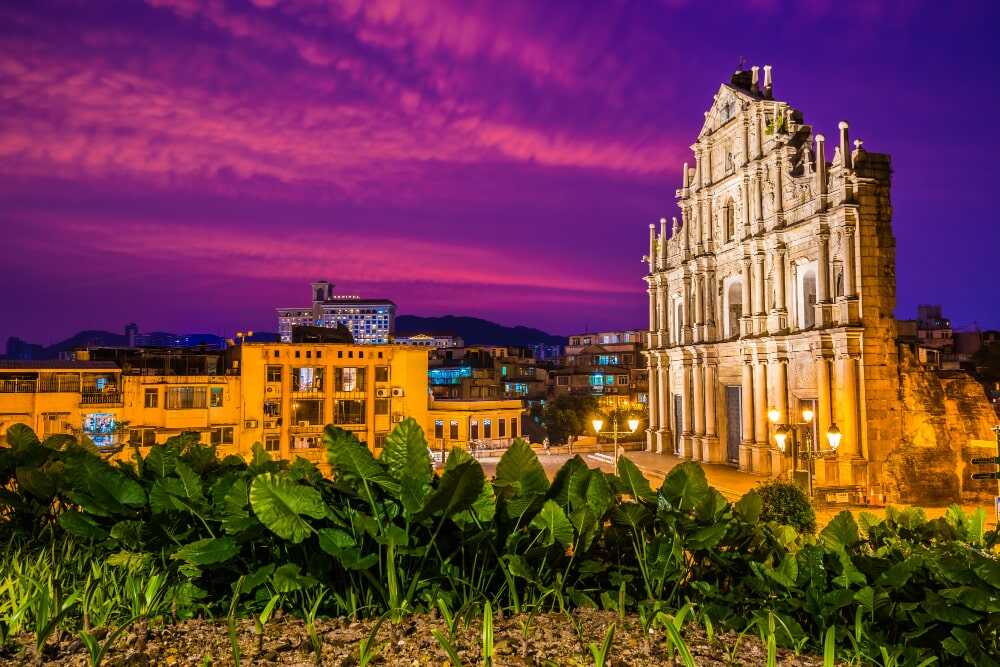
{"x":444,"y":376}
{"x":607,"y":360}
{"x":597,"y":380}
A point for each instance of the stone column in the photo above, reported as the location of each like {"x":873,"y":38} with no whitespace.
{"x":747,"y":306}
{"x":652,"y":312}
{"x":823,"y":268}
{"x":654,"y":416}
{"x":687,"y":418}
{"x":709,"y":450}
{"x":850,"y":280}
{"x":821,"y":171}
{"x":760,"y":198}
{"x":779,"y":401}
{"x":699,"y":409}
{"x":848,"y":418}
{"x":761,"y":456}
{"x":709,"y":225}
{"x":779,"y":206}
{"x":823,"y":412}
{"x":779,"y":278}
{"x":699,"y":302}
{"x":686,"y":331}
{"x":663,"y":320}
{"x":745,"y":190}
{"x":666,"y":425}
{"x":845,"y":149}
{"x":711,"y":301}
{"x":747,"y":412}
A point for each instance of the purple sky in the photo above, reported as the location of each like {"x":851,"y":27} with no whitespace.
{"x":191,"y":165}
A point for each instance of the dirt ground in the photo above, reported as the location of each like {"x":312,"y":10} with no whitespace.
{"x":542,"y":639}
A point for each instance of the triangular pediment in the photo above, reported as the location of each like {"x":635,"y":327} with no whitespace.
{"x":727,"y":104}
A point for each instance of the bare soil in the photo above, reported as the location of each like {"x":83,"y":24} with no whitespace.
{"x":536,"y":640}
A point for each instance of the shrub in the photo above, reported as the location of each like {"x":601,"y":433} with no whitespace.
{"x":787,"y":503}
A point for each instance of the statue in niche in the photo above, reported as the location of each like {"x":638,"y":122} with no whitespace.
{"x":807,"y":160}
{"x":730,"y":161}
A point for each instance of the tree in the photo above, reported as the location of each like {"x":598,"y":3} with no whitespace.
{"x":568,"y":414}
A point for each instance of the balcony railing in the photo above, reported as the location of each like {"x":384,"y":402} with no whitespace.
{"x":101,"y":398}
{"x":306,"y":428}
{"x":18,"y":386}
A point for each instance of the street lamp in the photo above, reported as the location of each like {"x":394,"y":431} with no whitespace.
{"x":598,"y":424}
{"x":789,"y":432}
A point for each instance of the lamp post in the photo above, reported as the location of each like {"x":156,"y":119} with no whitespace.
{"x":810,"y":452}
{"x":598,"y":424}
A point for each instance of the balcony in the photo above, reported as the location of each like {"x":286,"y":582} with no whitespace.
{"x":305,"y":428}
{"x":102,"y":397}
{"x":18,"y":386}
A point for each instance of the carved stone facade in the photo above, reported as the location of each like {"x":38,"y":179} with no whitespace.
{"x":774,"y":291}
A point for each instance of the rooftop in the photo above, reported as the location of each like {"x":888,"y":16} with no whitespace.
{"x":56,"y":364}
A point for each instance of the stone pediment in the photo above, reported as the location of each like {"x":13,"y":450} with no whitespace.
{"x":728,"y":102}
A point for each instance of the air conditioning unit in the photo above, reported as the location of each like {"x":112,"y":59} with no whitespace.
{"x":396,"y":418}
{"x":272,"y":423}
{"x":397,"y":392}
{"x":303,"y":422}
{"x":250,"y":423}
{"x":269,"y":390}
{"x":381,"y":392}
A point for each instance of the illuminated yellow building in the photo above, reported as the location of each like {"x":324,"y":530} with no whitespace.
{"x":278,"y":394}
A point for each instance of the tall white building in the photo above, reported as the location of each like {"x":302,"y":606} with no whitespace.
{"x":370,"y":321}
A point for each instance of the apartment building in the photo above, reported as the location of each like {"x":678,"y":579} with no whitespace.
{"x":370,"y":321}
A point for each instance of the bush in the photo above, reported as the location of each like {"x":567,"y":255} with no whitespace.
{"x":787,"y":503}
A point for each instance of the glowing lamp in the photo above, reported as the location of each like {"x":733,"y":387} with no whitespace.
{"x":598,"y":424}
{"x":833,"y":436}
{"x":807,"y":415}
{"x":633,"y":424}
{"x":773,"y":415}
{"x":779,"y":437}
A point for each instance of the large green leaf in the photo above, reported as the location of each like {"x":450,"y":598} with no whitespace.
{"x":43,"y":483}
{"x":634,"y":481}
{"x":81,"y":525}
{"x":20,"y":437}
{"x":749,"y":507}
{"x":842,"y":531}
{"x":685,"y":486}
{"x":520,"y":479}
{"x":570,"y":483}
{"x":101,"y":489}
{"x":289,"y":578}
{"x":235,"y":515}
{"x":599,"y":497}
{"x":280,"y":504}
{"x":555,"y":527}
{"x":405,"y":453}
{"x":208,"y":551}
{"x":353,"y":462}
{"x":457,"y":490}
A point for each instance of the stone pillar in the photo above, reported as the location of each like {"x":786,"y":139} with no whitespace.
{"x":686,"y":409}
{"x":779,"y":400}
{"x":761,"y":456}
{"x":823,"y":412}
{"x":666,"y":425}
{"x":709,"y":225}
{"x":653,"y":325}
{"x":848,"y":419}
{"x":685,"y":336}
{"x":747,"y":305}
{"x":823,"y":268}
{"x":654,"y":415}
{"x":850,"y":280}
{"x":845,"y":149}
{"x":821,"y":171}
{"x":698,"y":388}
{"x":699,"y":302}
{"x":747,"y":218}
{"x":779,"y":278}
{"x":747,"y":413}
{"x":711,"y":301}
{"x":709,"y":451}
{"x":685,"y":228}
{"x":760,"y":307}
{"x":760,"y":199}
{"x":661,"y":259}
{"x":779,"y":206}
{"x":652,"y":248}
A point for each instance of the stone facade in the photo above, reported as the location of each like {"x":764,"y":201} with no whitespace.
{"x":774,"y":291}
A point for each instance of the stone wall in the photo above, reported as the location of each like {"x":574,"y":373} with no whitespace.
{"x":945,"y":420}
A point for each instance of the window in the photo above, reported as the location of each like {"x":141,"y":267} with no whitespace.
{"x":307,"y":412}
{"x":502,"y":428}
{"x":734,"y":304}
{"x":274,"y":372}
{"x":473,"y":429}
{"x":487,"y":428}
{"x":222,"y":435}
{"x":272,"y":443}
{"x":151,"y":397}
{"x":309,"y":354}
{"x":297,"y":354}
{"x":349,"y":412}
{"x":350,"y":379}
{"x":215,"y":397}
{"x":808,"y":299}
{"x":319,"y":354}
{"x":144,"y":437}
{"x":729,"y":221}
{"x":453,"y":429}
{"x":381,"y":373}
{"x":513,"y":427}
{"x":381,"y":406}
{"x":305,"y":442}
{"x":380,"y":440}
{"x":438,"y":429}
{"x":307,"y":378}
{"x":562,"y":380}
{"x":622,"y":379}
{"x":186,"y":398}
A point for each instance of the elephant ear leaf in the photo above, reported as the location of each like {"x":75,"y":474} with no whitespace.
{"x":520,"y":479}
{"x":281,"y":504}
{"x":634,"y":481}
{"x":208,"y":551}
{"x":458,"y":489}
{"x":555,"y":527}
{"x":354,"y":463}
{"x":409,"y":463}
{"x":101,"y":489}
{"x":81,"y":525}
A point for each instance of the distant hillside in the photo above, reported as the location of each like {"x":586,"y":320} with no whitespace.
{"x":474,"y":331}
{"x":19,"y":349}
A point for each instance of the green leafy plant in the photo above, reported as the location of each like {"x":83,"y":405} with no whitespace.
{"x":600,"y":652}
{"x":786,"y":503}
{"x":487,"y":643}
{"x":368,"y":648}
{"x":448,"y":647}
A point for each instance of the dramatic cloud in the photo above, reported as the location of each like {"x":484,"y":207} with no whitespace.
{"x":189,"y":164}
